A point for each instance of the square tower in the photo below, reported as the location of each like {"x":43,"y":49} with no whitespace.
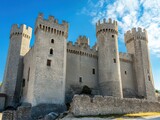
{"x":48,"y":66}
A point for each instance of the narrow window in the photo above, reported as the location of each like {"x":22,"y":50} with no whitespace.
{"x":23,"y":83}
{"x":28,"y":74}
{"x":112,"y":36}
{"x":62,"y":33}
{"x":51,"y":51}
{"x":52,"y":40}
{"x":80,"y":79}
{"x":125,"y":72}
{"x":149,"y":78}
{"x":48,"y":62}
{"x":93,"y":71}
{"x":52,"y":30}
{"x":114,"y":60}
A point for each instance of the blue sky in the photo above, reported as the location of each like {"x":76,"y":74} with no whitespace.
{"x":82,"y":16}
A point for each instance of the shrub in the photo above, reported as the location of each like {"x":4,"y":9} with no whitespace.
{"x":86,"y":90}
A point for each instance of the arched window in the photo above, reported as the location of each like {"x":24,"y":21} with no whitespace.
{"x":51,"y":51}
{"x":52,"y":40}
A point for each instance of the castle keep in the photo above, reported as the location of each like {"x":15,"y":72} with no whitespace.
{"x":55,"y":69}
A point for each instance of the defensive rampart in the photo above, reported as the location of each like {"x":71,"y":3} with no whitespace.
{"x":85,"y":106}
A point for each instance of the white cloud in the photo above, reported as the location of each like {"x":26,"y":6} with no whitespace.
{"x":130,"y":13}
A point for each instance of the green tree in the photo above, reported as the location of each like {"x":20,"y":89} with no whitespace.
{"x":86,"y":90}
{"x":157,"y":91}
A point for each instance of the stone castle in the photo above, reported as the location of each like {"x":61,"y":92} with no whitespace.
{"x":53,"y":70}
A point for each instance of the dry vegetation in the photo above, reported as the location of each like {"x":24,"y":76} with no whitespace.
{"x":143,"y":114}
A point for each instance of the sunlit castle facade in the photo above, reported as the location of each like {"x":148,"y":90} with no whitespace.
{"x":55,"y":69}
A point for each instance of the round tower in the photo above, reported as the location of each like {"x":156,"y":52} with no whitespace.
{"x":19,"y":45}
{"x":137,"y":44}
{"x":108,"y":58}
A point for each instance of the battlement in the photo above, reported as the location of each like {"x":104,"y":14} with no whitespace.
{"x":125,"y":57}
{"x":107,"y":26}
{"x":79,"y":49}
{"x":51,"y":25}
{"x":135,"y":34}
{"x":18,"y":30}
{"x":83,"y":40}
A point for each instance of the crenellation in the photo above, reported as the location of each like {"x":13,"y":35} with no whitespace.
{"x":104,"y":20}
{"x":21,"y":30}
{"x":51,"y":18}
{"x":135,"y":34}
{"x":110,"y":20}
{"x":51,"y":25}
{"x":83,"y":41}
{"x":40,"y":15}
{"x":81,"y":47}
{"x":134,"y":30}
{"x":104,"y":27}
{"x":139,"y":29}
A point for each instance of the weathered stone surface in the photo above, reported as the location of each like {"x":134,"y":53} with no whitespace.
{"x":84,"y":105}
{"x":9,"y":115}
{"x":43,"y":109}
{"x":24,"y":112}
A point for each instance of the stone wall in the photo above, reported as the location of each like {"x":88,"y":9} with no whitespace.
{"x":22,"y":113}
{"x":81,"y":70}
{"x":85,"y":106}
{"x":128,"y":75}
{"x":9,"y":115}
{"x":39,"y":112}
{"x":3,"y":98}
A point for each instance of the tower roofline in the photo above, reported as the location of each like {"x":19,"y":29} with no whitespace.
{"x":21,"y":28}
{"x":51,"y":25}
{"x":104,"y":26}
{"x":107,"y":22}
{"x":136,"y":33}
{"x":51,"y":20}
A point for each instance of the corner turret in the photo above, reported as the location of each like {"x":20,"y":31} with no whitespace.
{"x":20,"y":37}
{"x":136,"y":34}
{"x":137,"y":44}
